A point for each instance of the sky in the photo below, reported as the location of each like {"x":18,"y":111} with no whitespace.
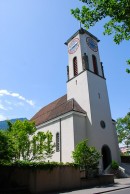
{"x":33,"y":57}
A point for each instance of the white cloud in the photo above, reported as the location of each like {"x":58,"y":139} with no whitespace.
{"x":30,"y":102}
{"x":4,"y":92}
{"x":16,"y":95}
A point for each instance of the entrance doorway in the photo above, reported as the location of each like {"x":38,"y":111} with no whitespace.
{"x":106,"y":156}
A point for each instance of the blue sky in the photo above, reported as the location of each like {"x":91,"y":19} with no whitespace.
{"x":33,"y":57}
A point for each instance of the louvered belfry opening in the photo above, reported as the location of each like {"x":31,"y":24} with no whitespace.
{"x":85,"y":62}
{"x":95,"y":64}
{"x":75,"y":66}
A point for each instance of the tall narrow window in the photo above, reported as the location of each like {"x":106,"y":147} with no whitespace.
{"x":85,"y":62}
{"x":68,"y":72}
{"x":75,"y":66}
{"x":57,"y":142}
{"x":95,"y":68}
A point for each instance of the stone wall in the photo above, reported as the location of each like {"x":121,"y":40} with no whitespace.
{"x":42,"y":181}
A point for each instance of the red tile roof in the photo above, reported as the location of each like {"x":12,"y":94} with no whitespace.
{"x":55,"y":109}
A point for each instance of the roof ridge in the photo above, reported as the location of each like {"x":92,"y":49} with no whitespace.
{"x":59,"y":108}
{"x":54,"y":101}
{"x":52,"y":108}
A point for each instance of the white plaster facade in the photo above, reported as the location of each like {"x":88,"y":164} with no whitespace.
{"x":89,"y":90}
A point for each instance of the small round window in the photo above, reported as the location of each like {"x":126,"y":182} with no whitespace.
{"x":102,"y":123}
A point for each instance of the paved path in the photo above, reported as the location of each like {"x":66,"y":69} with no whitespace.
{"x":119,"y":184}
{"x":126,"y":166}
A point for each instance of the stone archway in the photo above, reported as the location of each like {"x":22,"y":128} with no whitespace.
{"x":106,"y":156}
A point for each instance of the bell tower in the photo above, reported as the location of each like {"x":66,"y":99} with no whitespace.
{"x":87,"y":85}
{"x":86,"y":81}
{"x":83,"y":47}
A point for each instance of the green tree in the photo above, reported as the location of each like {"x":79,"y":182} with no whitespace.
{"x":116,"y":11}
{"x":7,"y":147}
{"x":42,"y":146}
{"x":49,"y":145}
{"x":20,"y":132}
{"x":21,"y":142}
{"x":123,"y":129}
{"x":86,"y":157}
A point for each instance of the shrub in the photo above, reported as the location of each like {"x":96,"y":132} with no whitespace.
{"x":85,"y":156}
{"x":114,"y":165}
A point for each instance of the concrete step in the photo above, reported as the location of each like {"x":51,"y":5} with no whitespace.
{"x":126,"y":166}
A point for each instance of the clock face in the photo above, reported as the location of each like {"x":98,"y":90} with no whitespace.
{"x":92,"y":44}
{"x":73,"y":46}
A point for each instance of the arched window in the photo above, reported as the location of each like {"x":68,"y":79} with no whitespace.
{"x":75,"y":66}
{"x":57,"y":142}
{"x":95,"y":68}
{"x":85,"y":62}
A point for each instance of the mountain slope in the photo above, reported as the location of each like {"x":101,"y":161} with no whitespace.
{"x":4,"y":125}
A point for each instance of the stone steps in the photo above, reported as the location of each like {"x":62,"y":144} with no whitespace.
{"x":126,"y":166}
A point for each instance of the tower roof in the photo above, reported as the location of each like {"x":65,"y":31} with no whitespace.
{"x":55,"y":109}
{"x":81,"y":31}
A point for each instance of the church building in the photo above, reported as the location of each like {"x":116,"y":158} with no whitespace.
{"x":84,"y":112}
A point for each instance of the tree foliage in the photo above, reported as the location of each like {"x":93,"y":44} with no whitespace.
{"x":19,"y":132}
{"x":22,"y":142}
{"x":7,"y":151}
{"x":42,"y":146}
{"x":85,"y":156}
{"x":123,"y":129}
{"x":117,"y":12}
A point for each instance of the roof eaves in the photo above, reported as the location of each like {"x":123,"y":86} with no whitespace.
{"x":39,"y":113}
{"x":59,"y":117}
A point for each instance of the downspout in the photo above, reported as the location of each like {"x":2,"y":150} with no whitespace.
{"x":60,"y":143}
